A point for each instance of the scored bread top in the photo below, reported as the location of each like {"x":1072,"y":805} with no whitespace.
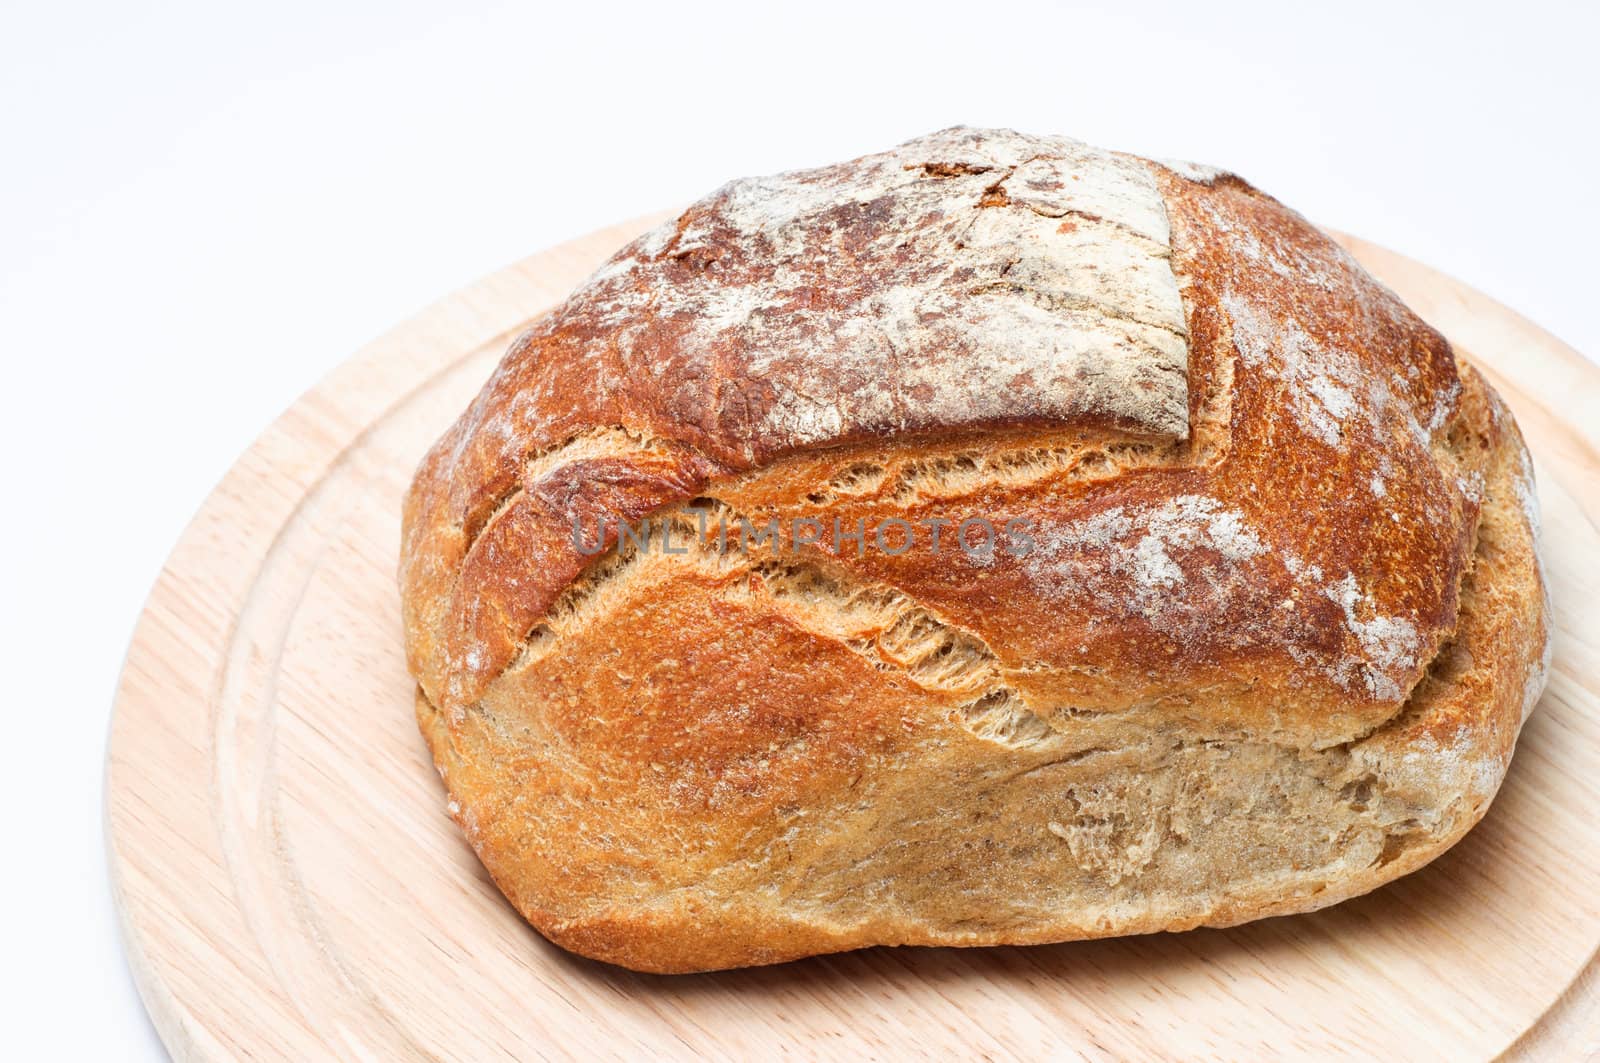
{"x":1251,"y":474}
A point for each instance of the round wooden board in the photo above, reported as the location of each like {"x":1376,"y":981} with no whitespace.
{"x":290,"y":886}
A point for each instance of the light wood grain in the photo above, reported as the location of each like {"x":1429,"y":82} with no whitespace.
{"x":290,"y":886}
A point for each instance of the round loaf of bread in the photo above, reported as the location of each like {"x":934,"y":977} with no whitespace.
{"x":993,"y":540}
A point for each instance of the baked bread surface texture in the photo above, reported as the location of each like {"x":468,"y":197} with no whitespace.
{"x":1263,"y":641}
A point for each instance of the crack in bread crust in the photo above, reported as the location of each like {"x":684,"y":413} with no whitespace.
{"x":878,"y":622}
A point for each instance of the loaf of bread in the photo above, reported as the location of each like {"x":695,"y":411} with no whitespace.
{"x":1236,"y":610}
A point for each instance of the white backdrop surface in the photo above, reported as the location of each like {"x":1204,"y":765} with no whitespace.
{"x":204,"y":207}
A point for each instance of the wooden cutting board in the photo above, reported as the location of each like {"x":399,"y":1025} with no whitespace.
{"x":291,"y":887}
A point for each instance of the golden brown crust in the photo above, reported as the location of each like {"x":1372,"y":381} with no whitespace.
{"x":1260,"y":585}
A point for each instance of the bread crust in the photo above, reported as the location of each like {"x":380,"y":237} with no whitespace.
{"x":1281,"y":623}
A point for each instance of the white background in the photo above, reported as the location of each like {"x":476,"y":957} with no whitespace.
{"x":204,"y":208}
